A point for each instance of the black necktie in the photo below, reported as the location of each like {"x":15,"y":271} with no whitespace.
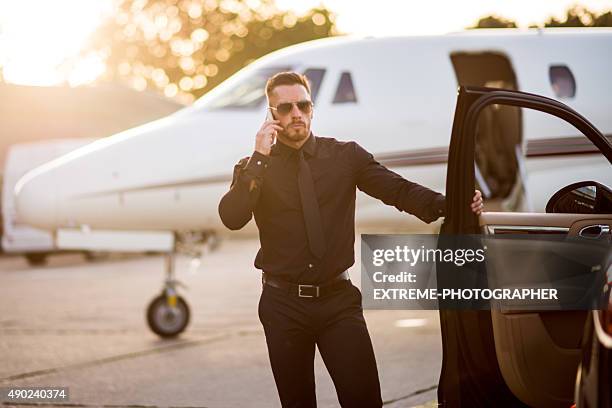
{"x":310,"y":208}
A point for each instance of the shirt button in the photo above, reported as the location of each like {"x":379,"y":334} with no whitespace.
{"x":259,"y":162}
{"x":310,"y":266}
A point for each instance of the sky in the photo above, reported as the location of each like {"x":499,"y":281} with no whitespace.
{"x":38,"y":57}
{"x":397,"y":17}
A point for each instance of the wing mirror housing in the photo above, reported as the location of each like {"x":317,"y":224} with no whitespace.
{"x":585,"y":197}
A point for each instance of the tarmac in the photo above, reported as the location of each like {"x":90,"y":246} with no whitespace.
{"x":81,"y":324}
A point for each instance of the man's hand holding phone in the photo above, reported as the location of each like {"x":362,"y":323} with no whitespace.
{"x":267,"y":135}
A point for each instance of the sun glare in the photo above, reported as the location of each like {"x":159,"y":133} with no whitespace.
{"x":40,"y":40}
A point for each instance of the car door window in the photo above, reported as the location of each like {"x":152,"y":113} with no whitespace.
{"x":523,"y":156}
{"x":498,"y":151}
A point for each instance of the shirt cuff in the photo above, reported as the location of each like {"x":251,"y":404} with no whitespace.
{"x":439,"y":205}
{"x":257,"y":164}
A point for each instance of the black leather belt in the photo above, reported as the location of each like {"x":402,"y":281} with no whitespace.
{"x":308,"y":291}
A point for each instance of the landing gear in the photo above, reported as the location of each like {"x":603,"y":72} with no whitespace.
{"x":168,"y":313}
{"x":36,"y":258}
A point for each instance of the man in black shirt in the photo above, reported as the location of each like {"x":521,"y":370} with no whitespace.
{"x":301,"y":191}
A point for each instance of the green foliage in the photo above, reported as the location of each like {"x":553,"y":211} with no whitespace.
{"x":189,"y":46}
{"x":494,"y":22}
{"x":576,"y":16}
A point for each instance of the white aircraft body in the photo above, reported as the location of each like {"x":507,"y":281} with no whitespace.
{"x":169,"y":174}
{"x":394,"y":96}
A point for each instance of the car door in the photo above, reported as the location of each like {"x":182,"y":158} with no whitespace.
{"x":498,"y":358}
{"x":595,"y":370}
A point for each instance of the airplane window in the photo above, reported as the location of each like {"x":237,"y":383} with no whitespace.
{"x":346,"y":91}
{"x":562,"y":81}
{"x":247,"y":93}
{"x":315,"y":77}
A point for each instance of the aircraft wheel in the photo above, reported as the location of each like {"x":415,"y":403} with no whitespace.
{"x":94,"y":256}
{"x":168,"y":317}
{"x":36,"y":258}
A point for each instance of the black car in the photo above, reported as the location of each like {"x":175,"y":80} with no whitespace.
{"x":530,"y":358}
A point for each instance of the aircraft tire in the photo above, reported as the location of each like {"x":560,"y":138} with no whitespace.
{"x":167,"y":321}
{"x":36,"y":258}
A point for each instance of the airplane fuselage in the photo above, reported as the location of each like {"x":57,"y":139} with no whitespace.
{"x":394,"y":96}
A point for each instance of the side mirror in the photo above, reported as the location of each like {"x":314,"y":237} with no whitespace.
{"x":585,"y":197}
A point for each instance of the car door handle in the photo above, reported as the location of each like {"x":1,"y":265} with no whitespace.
{"x":594,"y":231}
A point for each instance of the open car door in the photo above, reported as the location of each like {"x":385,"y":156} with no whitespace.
{"x":508,"y":358}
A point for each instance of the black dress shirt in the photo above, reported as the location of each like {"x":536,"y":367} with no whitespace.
{"x":267,"y":187}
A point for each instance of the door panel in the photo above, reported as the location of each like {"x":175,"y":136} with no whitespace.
{"x":537,"y":352}
{"x":534,"y":365}
{"x":568,"y":222}
{"x":585,"y":228}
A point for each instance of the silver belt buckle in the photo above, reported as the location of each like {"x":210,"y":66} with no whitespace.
{"x":307,"y":286}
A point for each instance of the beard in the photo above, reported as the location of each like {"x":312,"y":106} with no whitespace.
{"x":297,"y":133}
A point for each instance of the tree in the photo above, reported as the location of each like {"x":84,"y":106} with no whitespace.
{"x":578,"y":16}
{"x":494,"y":22}
{"x":186,"y":47}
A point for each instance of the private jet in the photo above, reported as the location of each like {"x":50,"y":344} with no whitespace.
{"x":161,"y":182}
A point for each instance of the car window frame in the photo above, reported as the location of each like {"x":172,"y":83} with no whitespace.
{"x":460,"y":177}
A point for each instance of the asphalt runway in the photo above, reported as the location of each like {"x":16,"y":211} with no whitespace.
{"x":81,"y":325}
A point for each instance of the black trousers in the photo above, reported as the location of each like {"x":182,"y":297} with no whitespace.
{"x":335,"y":324}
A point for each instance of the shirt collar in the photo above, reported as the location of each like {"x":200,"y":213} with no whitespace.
{"x":310,"y":146}
{"x":284,"y":150}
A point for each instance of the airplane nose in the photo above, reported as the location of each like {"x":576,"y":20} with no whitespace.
{"x":36,"y":201}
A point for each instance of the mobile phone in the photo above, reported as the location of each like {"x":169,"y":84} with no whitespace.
{"x":269,"y":115}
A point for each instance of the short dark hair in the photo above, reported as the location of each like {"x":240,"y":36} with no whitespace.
{"x":286,"y":78}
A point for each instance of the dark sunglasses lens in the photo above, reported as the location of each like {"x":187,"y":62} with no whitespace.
{"x":305,"y":106}
{"x":284,"y":108}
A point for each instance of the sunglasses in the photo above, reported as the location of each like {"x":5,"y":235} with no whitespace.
{"x":286,"y":107}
